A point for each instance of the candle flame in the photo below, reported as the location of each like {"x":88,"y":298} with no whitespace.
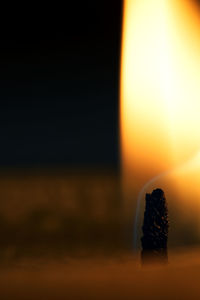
{"x":160,"y":100}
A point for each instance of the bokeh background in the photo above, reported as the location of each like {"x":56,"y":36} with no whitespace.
{"x":59,"y":153}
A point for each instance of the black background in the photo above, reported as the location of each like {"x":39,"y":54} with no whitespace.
{"x":59,"y":82}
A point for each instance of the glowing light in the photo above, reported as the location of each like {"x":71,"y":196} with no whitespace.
{"x":160,"y":99}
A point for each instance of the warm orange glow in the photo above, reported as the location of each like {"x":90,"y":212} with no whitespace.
{"x":160,"y":95}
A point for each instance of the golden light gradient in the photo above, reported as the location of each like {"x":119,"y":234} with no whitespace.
{"x":160,"y":97}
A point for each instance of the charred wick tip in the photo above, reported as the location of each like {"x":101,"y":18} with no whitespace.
{"x":155,"y":228}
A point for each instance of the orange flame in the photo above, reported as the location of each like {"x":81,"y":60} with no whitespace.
{"x":160,"y":98}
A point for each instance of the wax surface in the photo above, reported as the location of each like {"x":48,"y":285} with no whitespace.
{"x":119,"y":277}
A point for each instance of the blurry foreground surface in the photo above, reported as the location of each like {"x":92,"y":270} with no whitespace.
{"x":119,"y":277}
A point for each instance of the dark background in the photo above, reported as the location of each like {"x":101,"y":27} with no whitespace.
{"x":59,"y":82}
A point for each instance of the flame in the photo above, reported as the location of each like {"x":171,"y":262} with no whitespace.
{"x":160,"y":99}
